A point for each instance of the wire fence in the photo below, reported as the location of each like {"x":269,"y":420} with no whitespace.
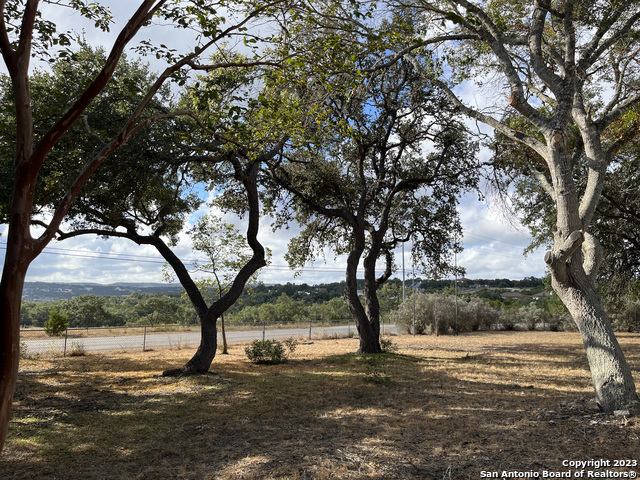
{"x":78,"y":341}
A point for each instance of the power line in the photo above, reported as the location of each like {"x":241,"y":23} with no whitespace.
{"x":75,"y":253}
{"x":91,"y":255}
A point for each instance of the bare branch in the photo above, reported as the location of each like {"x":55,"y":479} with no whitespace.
{"x":594,"y":49}
{"x":215,"y":66}
{"x":616,"y":112}
{"x":553,"y":81}
{"x":544,"y":182}
{"x":514,"y":135}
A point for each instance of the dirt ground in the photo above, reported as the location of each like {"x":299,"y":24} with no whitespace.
{"x":505,"y":404}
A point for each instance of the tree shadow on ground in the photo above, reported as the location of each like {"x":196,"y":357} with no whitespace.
{"x":345,"y":416}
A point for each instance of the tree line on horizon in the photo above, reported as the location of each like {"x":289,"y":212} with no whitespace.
{"x":295,"y":302}
{"x":484,"y":308}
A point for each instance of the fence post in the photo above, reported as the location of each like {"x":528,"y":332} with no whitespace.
{"x":309,"y":328}
{"x":144,"y":340}
{"x":66,"y":334}
{"x":264,"y":330}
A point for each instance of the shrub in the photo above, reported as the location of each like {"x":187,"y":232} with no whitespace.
{"x":627,"y":316}
{"x":559,"y":322}
{"x":26,"y":353}
{"x":57,"y":324}
{"x":387,"y":345}
{"x":436,"y":313}
{"x":270,"y":351}
{"x":424,"y":314}
{"x":77,"y":349}
{"x":508,"y":319}
{"x":532,"y":316}
{"x":484,"y":316}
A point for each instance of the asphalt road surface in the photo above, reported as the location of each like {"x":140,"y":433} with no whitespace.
{"x":182,"y":340}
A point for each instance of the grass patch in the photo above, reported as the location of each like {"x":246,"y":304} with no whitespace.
{"x":441,"y":407}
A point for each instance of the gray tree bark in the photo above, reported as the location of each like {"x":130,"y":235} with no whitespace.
{"x":556,"y":74}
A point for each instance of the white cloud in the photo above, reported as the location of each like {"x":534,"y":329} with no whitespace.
{"x":493,"y":249}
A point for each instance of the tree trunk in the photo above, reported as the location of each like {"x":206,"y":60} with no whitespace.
{"x":573,"y":264}
{"x":369,"y":339}
{"x":21,"y":250}
{"x":202,"y":359}
{"x":225,"y":347}
{"x":612,"y":379}
{"x":372,"y":304}
{"x":10,"y":302}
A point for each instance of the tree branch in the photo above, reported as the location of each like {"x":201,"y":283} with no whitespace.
{"x":594,"y":50}
{"x":514,"y":135}
{"x":49,"y":139}
{"x":569,"y":246}
{"x":125,"y":134}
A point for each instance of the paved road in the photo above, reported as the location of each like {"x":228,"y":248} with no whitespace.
{"x":183,"y":340}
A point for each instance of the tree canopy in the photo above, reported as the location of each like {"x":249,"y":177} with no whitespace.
{"x":382,"y":160}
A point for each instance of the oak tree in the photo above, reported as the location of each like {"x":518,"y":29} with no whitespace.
{"x":563,"y":79}
{"x":383,"y":162}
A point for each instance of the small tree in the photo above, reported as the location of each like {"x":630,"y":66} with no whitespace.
{"x":57,"y":324}
{"x":226,"y":251}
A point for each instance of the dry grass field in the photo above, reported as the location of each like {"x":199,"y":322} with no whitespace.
{"x":437,"y":408}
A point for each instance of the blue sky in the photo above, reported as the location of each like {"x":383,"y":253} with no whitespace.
{"x":493,"y":243}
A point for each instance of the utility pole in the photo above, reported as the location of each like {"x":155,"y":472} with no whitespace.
{"x":404,"y":297}
{"x":455,"y":275}
{"x":413,"y":293}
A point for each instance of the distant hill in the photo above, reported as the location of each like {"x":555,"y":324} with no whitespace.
{"x":261,"y":293}
{"x":44,"y":291}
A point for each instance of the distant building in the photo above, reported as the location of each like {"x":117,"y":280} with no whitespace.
{"x":543,"y":295}
{"x":513,"y":295}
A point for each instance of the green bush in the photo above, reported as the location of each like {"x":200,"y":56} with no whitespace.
{"x":270,"y":351}
{"x":57,"y":324}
